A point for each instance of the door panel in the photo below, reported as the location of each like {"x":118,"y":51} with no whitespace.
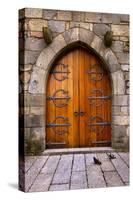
{"x":78,"y":109}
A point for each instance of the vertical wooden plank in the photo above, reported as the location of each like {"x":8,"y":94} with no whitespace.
{"x":76,"y":97}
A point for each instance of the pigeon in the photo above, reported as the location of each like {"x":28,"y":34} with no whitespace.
{"x":111,"y":156}
{"x":96,"y":161}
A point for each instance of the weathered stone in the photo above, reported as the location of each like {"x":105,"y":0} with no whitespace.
{"x":67,"y":25}
{"x":115,"y":38}
{"x":79,"y":163}
{"x":120,"y":130}
{"x":121,"y":30}
{"x":96,"y":43}
{"x":78,"y":16}
{"x":101,"y":29}
{"x":78,"y":180}
{"x":95,"y":177}
{"x":125,"y":110}
{"x":86,"y":36}
{"x":36,"y":34}
{"x":21,"y":44}
{"x":33,"y":172}
{"x":36,"y":110}
{"x":63,"y":171}
{"x":33,"y":13}
{"x":80,"y":24}
{"x":125,"y":67}
{"x":117,"y":46}
{"x":113,"y":179}
{"x":29,"y":160}
{"x":126,"y":76}
{"x":28,"y":57}
{"x":115,"y":19}
{"x":93,"y":17}
{"x":120,"y":100}
{"x":125,"y":157}
{"x":51,"y":165}
{"x":50,"y":14}
{"x":33,"y":100}
{"x":126,"y":47}
{"x":124,"y":18}
{"x":34,"y":120}
{"x":118,"y":82}
{"x":124,"y":39}
{"x":37,"y":24}
{"x":111,"y":59}
{"x":36,"y":84}
{"x":24,"y":110}
{"x":34,"y":44}
{"x":59,"y":187}
{"x":121,"y":168}
{"x":71,"y":35}
{"x":121,"y":120}
{"x":89,"y":159}
{"x":106,"y":164}
{"x":127,"y":91}
{"x":106,"y":18}
{"x":128,"y":84}
{"x":24,"y":77}
{"x":25,"y":67}
{"x":45,"y":58}
{"x":21,"y":13}
{"x":116,"y":110}
{"x":58,"y":43}
{"x":91,"y":27}
{"x":64,"y":15}
{"x":57,"y":26}
{"x":42,"y":183}
{"x":123,"y":58}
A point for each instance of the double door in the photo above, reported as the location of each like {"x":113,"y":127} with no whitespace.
{"x":78,"y":102}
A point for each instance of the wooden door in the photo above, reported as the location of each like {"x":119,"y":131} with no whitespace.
{"x":78,"y":108}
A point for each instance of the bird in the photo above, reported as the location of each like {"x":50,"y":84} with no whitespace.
{"x":111,"y":156}
{"x":96,"y":161}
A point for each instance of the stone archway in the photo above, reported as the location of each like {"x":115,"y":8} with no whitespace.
{"x":92,"y":41}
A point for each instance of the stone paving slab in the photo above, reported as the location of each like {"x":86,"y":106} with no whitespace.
{"x":34,"y":171}
{"x":42,"y":183}
{"x":95,"y":177}
{"x":75,"y":171}
{"x":29,"y":162}
{"x":121,"y":168}
{"x":125,"y":157}
{"x":78,"y":180}
{"x":113,"y":179}
{"x":79,"y":163}
{"x":106,"y":164}
{"x":59,"y":187}
{"x":51,"y":165}
{"x":63,"y":172}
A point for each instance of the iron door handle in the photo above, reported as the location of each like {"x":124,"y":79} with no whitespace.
{"x":82,"y":113}
{"x":76,"y":113}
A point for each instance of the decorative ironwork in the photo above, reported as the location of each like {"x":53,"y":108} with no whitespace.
{"x":97,"y":121}
{"x":97,"y":100}
{"x":61,"y":72}
{"x":60,"y":125}
{"x":56,"y":143}
{"x":59,"y":95}
{"x":101,"y":142}
{"x":94,"y":74}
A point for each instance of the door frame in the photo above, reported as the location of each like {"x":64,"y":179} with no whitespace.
{"x":64,"y":42}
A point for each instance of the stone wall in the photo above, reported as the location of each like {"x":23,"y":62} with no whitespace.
{"x":69,"y":26}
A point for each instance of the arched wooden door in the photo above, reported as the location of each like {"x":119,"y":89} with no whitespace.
{"x":78,"y":108}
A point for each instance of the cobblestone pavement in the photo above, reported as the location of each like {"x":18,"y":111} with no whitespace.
{"x":75,"y":171}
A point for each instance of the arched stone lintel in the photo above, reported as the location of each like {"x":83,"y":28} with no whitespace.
{"x":62,"y":41}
